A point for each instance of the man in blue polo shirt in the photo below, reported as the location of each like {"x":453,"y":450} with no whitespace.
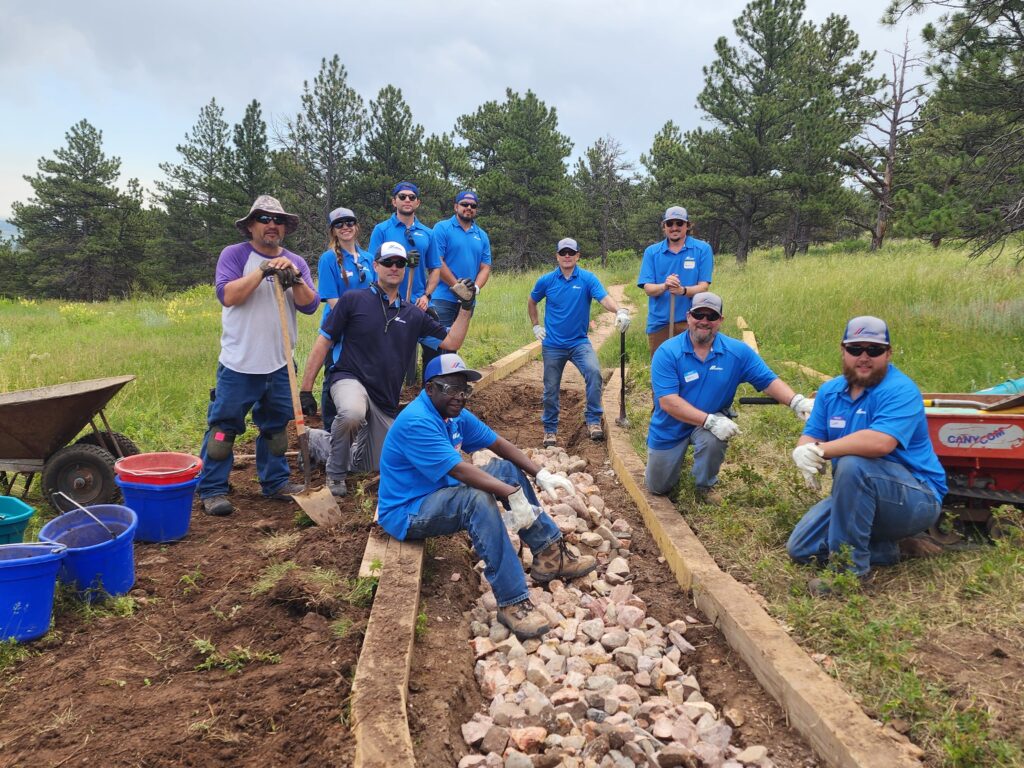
{"x":464,"y":251}
{"x":694,"y":377}
{"x":563,"y":337}
{"x":887,"y":483}
{"x":671,"y":273}
{"x":428,"y":489}
{"x":415,"y":236}
{"x":381,"y":331}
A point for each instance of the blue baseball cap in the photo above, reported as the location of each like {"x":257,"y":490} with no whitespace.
{"x":449,"y":363}
{"x":867,"y":328}
{"x":405,"y":185}
{"x":467,"y":194}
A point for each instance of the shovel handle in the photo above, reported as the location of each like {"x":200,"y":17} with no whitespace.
{"x":300,"y":420}
{"x":671,"y":315}
{"x":759,"y":401}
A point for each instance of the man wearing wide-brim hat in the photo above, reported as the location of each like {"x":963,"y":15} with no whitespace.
{"x":251,"y":370}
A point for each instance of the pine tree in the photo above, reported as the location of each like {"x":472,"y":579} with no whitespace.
{"x":249,"y":170}
{"x":446,"y":171}
{"x":603,"y":179}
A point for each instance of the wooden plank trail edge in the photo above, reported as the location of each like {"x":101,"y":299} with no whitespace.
{"x":381,"y":683}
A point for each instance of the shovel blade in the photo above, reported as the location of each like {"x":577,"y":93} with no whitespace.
{"x":320,"y":507}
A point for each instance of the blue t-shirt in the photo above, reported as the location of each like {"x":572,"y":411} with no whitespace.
{"x":331,"y":285}
{"x":694,"y":263}
{"x":709,"y":385}
{"x":895,"y":407}
{"x":420,"y":449}
{"x":419,"y":233}
{"x":380,"y":338}
{"x":462,"y":251}
{"x":567,"y":312}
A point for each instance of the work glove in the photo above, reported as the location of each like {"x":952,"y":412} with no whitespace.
{"x":622,"y":320}
{"x":539,"y":332}
{"x":519,"y":512}
{"x":465,"y":290}
{"x":721,"y":427}
{"x":413,"y":257}
{"x":802,"y":406}
{"x":810,"y":460}
{"x":289,"y":277}
{"x":308,"y":403}
{"x":549,"y":481}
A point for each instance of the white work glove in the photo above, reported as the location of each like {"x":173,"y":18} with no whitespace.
{"x":519,"y":513}
{"x":721,"y":427}
{"x":539,"y":332}
{"x":802,"y":406}
{"x":622,"y":320}
{"x":810,"y":460}
{"x":549,"y":481}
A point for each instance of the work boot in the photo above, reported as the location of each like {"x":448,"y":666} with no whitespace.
{"x":550,"y":439}
{"x":523,"y":620}
{"x":595,"y":431}
{"x":337,"y":487}
{"x":555,"y":561}
{"x":286,"y":491}
{"x":218,"y":506}
{"x":709,"y":497}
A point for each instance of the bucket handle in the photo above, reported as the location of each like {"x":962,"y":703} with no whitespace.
{"x":90,"y":514}
{"x":162,"y":472}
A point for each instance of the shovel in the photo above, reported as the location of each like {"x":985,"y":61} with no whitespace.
{"x":671,"y":315}
{"x":319,"y":505}
{"x":622,"y":421}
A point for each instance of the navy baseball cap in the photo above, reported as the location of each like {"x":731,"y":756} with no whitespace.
{"x":449,"y":363}
{"x":407,"y":186}
{"x":467,"y":194}
{"x":867,"y":328}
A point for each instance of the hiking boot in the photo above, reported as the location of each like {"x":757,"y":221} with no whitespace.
{"x":918,"y":546}
{"x":286,"y":491}
{"x":218,"y":506}
{"x":555,"y":561}
{"x":523,"y":620}
{"x":550,"y":439}
{"x":595,"y":431}
{"x":337,"y":487}
{"x":709,"y":497}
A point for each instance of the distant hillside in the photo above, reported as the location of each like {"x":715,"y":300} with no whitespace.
{"x":7,"y":229}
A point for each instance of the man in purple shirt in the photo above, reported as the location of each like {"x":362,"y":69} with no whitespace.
{"x":251,"y":370}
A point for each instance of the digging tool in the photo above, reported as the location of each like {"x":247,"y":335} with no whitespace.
{"x":410,"y":371}
{"x":319,"y":505}
{"x":928,"y":403}
{"x":622,"y":421}
{"x":671,"y":315}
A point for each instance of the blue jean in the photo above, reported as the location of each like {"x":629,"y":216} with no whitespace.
{"x":874,"y":504}
{"x":665,"y":465}
{"x":269,"y":397}
{"x":462,"y":508}
{"x":585,"y":360}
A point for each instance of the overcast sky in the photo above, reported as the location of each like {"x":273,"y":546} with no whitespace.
{"x":140,"y":71}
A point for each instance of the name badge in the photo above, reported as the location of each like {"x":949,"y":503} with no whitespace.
{"x":690,"y":376}
{"x":689,"y":264}
{"x":836,"y":422}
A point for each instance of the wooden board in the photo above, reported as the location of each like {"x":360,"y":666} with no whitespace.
{"x":808,"y":371}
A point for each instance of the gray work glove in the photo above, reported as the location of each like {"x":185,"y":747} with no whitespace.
{"x":465,"y":290}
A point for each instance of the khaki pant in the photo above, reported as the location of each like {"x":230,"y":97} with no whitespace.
{"x":660,"y":336}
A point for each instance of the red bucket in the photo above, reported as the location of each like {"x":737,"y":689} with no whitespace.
{"x":158,"y":468}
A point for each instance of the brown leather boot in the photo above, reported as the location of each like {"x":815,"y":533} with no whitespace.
{"x":523,"y":620}
{"x":556,"y":562}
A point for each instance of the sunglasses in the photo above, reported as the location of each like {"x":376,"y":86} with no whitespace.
{"x":454,"y":390}
{"x":344,"y":223}
{"x":567,"y":252}
{"x":675,"y":223}
{"x":389,"y":263}
{"x":405,"y":196}
{"x":702,"y":315}
{"x":469,"y":205}
{"x":266,"y":218}
{"x":873,"y":350}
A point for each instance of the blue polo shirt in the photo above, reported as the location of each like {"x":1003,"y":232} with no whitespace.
{"x":895,"y":407}
{"x":462,"y":251}
{"x":693,"y":264}
{"x":567,"y":312}
{"x":709,"y":385}
{"x":331,"y":285}
{"x":380,"y":338}
{"x":394,"y":230}
{"x":420,"y":449}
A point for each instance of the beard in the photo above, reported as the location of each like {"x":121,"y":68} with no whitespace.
{"x":855,"y":378}
{"x":702,"y":336}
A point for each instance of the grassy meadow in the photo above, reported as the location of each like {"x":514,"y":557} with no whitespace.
{"x":908,"y":648}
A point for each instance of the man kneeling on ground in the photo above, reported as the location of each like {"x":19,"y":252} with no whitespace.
{"x":428,"y":489}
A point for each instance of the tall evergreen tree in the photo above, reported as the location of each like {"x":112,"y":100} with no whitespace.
{"x":249,"y":170}
{"x":604,"y":180}
{"x":446,"y":170}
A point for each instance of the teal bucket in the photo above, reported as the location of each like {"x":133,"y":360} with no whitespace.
{"x":14,"y":516}
{"x":96,"y":564}
{"x":28,"y":577}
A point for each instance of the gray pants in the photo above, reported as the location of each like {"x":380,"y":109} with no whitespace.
{"x":358,"y":431}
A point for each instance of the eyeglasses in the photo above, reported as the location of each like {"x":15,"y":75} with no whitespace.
{"x":342,"y":223}
{"x":266,"y":218}
{"x":406,"y":196}
{"x":454,"y":390}
{"x":674,"y":223}
{"x":567,"y":252}
{"x":709,"y":316}
{"x":873,"y":350}
{"x":469,"y":205}
{"x":389,"y":263}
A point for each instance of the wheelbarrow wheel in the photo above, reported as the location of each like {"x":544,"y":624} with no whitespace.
{"x":84,"y":472}
{"x":123,"y":443}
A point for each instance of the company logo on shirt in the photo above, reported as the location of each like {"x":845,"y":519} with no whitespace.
{"x":717,"y":368}
{"x":400,"y":320}
{"x":860,"y":412}
{"x":577,"y":288}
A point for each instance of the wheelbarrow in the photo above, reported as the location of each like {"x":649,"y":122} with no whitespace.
{"x":36,"y":426}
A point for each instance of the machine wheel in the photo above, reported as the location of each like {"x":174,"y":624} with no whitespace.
{"x":124,"y":443}
{"x":82,"y":471}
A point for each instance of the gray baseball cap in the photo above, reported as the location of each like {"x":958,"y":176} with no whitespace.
{"x":567,"y":242}
{"x":339,"y":214}
{"x":675,"y":213}
{"x":707,"y":300}
{"x":867,"y":328}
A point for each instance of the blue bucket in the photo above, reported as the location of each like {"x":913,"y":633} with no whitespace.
{"x":28,"y":576}
{"x":96,"y":565}
{"x":14,"y":515}
{"x":164,"y":511}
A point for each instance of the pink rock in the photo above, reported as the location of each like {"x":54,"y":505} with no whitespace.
{"x":474,"y":731}
{"x":630,"y":616}
{"x":482,"y":646}
{"x":527,"y":739}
